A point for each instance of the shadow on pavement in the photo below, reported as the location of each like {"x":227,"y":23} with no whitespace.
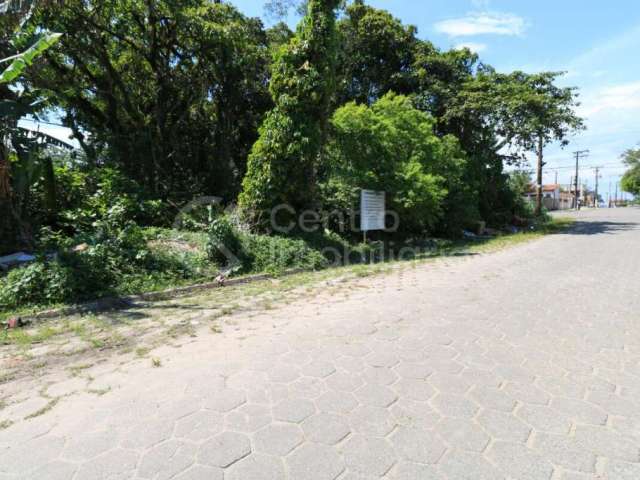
{"x":597,"y":228}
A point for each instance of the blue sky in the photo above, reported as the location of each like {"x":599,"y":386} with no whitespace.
{"x":597,"y":43}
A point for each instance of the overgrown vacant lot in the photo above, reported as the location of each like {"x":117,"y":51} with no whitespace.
{"x":56,"y":357}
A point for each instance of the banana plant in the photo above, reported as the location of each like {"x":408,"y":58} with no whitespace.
{"x":22,"y":60}
{"x":20,"y":165}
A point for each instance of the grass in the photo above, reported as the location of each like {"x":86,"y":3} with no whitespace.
{"x":100,"y":333}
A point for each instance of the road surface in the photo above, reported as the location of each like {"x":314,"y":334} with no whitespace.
{"x":522,"y":364}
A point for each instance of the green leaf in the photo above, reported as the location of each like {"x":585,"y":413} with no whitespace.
{"x":26,"y":58}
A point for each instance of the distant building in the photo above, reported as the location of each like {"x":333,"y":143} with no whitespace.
{"x":554,"y":197}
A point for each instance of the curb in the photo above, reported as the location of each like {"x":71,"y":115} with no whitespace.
{"x":120,"y":303}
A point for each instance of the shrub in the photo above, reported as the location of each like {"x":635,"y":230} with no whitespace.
{"x":391,"y":146}
{"x":224,"y":246}
{"x":40,"y":283}
{"x":278,"y":254}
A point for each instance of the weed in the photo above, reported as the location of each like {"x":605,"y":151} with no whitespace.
{"x":5,"y":424}
{"x":49,"y":406}
{"x":156,"y":362}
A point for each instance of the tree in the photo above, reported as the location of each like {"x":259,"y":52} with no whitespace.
{"x":391,"y":146}
{"x":631,"y":178}
{"x":283,"y":163}
{"x":528,"y":110}
{"x":375,"y":56}
{"x":170,"y":92}
{"x":19,"y":147}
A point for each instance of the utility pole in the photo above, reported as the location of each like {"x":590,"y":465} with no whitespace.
{"x":595,"y":200}
{"x":579,"y":154}
{"x":539,"y":179}
{"x":615,"y":202}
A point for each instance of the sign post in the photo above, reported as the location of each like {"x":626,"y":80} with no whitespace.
{"x":372,"y":211}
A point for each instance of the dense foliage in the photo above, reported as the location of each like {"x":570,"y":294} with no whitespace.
{"x":174,"y":100}
{"x":283,"y":164}
{"x":171,"y":92}
{"x":631,"y":178}
{"x":391,"y":147}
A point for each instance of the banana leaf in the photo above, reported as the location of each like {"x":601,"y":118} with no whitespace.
{"x":23,"y":60}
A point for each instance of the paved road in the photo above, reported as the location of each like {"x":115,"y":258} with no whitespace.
{"x":524,"y":364}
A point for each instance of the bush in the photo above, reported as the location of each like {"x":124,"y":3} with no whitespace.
{"x":391,"y":146}
{"x":278,"y":254}
{"x":228,"y":247}
{"x":224,"y":243}
{"x":40,"y":283}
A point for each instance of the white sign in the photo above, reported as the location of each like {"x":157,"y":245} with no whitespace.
{"x":372,"y":210}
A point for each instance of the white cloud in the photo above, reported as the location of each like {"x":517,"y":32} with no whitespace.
{"x":624,"y":96}
{"x":483,"y":23}
{"x":473,"y":46}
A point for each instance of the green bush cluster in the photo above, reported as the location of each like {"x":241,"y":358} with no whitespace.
{"x":255,"y":253}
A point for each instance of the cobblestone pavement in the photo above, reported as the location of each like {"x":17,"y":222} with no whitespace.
{"x":522,"y":364}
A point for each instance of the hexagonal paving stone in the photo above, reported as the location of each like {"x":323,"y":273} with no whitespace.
{"x":225,"y":400}
{"x":307,"y":387}
{"x":163,"y":462}
{"x":199,"y":426}
{"x":607,"y":443}
{"x":369,"y":420}
{"x":415,"y":471}
{"x":256,"y":467}
{"x":623,"y":470}
{"x":201,"y":472}
{"x":224,"y":449}
{"x":319,"y":369}
{"x":418,"y":371}
{"x":454,"y":406}
{"x":543,"y":418}
{"x":493,"y":398}
{"x":463,"y":434}
{"x":447,"y":383}
{"x":413,"y":389}
{"x":376,"y":395}
{"x":411,"y":413}
{"x":460,"y":465}
{"x":504,"y":426}
{"x":382,"y":359}
{"x":278,"y":439}
{"x":579,"y":410}
{"x":283,"y":373}
{"x":248,"y":418}
{"x":89,"y":445}
{"x":417,"y":445}
{"x":116,"y":463}
{"x":344,"y":382}
{"x":379,"y":375}
{"x":147,"y":433}
{"x":527,"y":393}
{"x":369,"y":455}
{"x":519,"y":462}
{"x":313,"y":461}
{"x":325,"y":428}
{"x":293,"y":410}
{"x":337,"y":402}
{"x":565,"y":452}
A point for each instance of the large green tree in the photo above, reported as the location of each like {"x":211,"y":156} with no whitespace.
{"x":391,"y":146}
{"x":375,"y":55}
{"x":283,"y":163}
{"x":171,"y":92}
{"x":631,"y":178}
{"x":529,"y":111}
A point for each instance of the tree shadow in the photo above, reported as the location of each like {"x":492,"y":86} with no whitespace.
{"x":598,"y":228}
